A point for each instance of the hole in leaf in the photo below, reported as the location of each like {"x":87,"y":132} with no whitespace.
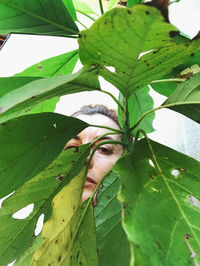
{"x":110,"y":68}
{"x":39,"y":225}
{"x":194,"y":201}
{"x":175,"y":172}
{"x":143,"y":53}
{"x":24,"y":212}
{"x":4,"y":198}
{"x":151,"y":163}
{"x":55,"y":125}
{"x":12,"y":263}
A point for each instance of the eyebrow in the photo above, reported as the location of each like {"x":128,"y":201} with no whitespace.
{"x":103,"y":138}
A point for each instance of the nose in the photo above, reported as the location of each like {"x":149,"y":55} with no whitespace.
{"x":91,"y":163}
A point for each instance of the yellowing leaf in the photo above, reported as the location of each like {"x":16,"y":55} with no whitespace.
{"x":58,"y":231}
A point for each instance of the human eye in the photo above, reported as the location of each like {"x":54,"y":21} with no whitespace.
{"x":105,"y":150}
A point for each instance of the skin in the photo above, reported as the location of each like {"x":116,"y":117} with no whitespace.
{"x":105,"y":156}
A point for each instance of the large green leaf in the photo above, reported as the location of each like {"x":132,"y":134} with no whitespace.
{"x":137,"y":43}
{"x":113,"y":246}
{"x":54,"y":66}
{"x":139,"y":103}
{"x":17,"y":236}
{"x":21,"y":100}
{"x":58,"y":232}
{"x":160,"y":196}
{"x":29,"y":143}
{"x":186,"y":98}
{"x":84,"y":251}
{"x":36,"y":17}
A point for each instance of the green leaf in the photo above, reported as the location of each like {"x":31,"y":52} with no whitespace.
{"x":113,"y":246}
{"x":38,"y":17}
{"x":186,"y":98}
{"x":83,"y":8}
{"x":139,"y":103}
{"x":70,"y":7}
{"x":84,"y":251}
{"x":134,"y":2}
{"x":17,"y":236}
{"x":160,"y":195}
{"x":54,"y":66}
{"x":58,"y":231}
{"x":147,"y":47}
{"x":21,"y":100}
{"x":29,"y":143}
{"x":112,"y":3}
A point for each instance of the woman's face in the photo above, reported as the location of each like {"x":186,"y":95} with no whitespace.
{"x":105,"y":156}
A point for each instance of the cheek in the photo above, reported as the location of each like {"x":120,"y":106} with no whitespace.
{"x":103,"y":163}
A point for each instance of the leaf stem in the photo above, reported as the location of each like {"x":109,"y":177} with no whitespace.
{"x":82,"y":24}
{"x":168,"y":80}
{"x":110,"y":128}
{"x":158,"y":108}
{"x":115,"y":99}
{"x":101,"y":7}
{"x":85,"y":14}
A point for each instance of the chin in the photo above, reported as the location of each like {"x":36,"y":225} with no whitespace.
{"x":86,"y":194}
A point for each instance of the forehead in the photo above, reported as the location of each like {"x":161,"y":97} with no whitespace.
{"x":90,"y":133}
{"x":99,"y":119}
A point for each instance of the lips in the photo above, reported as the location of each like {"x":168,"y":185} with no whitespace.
{"x":89,"y":180}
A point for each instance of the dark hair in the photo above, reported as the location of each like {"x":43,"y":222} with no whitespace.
{"x":97,"y":109}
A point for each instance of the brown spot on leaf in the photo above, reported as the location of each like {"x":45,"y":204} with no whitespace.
{"x":4,"y":124}
{"x":56,"y":242}
{"x":39,"y":66}
{"x":33,"y":97}
{"x":187,"y":236}
{"x":59,"y":258}
{"x":77,"y":255}
{"x":173,"y":33}
{"x":147,"y":13}
{"x":59,"y":178}
{"x":192,"y":54}
{"x":129,"y":11}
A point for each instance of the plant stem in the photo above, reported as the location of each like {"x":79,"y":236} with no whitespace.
{"x":101,"y":7}
{"x":158,"y":108}
{"x":88,"y":16}
{"x":168,"y":80}
{"x":115,"y":99}
{"x":112,"y":129}
{"x":82,"y":24}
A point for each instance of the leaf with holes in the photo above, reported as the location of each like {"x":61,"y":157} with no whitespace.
{"x":18,"y":234}
{"x":159,"y":193}
{"x":147,"y":47}
{"x":36,"y":17}
{"x":21,"y":100}
{"x":113,"y":246}
{"x":33,"y":141}
{"x":186,"y":98}
{"x":61,"y":227}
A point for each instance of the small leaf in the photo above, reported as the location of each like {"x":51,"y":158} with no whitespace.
{"x":147,"y":47}
{"x":139,"y":103}
{"x":83,"y":8}
{"x":113,"y":246}
{"x":160,"y":218}
{"x":33,"y":141}
{"x":21,"y":100}
{"x":58,"y":231}
{"x":40,"y":17}
{"x":186,"y":98}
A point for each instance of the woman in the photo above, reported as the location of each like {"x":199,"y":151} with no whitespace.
{"x":107,"y":154}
